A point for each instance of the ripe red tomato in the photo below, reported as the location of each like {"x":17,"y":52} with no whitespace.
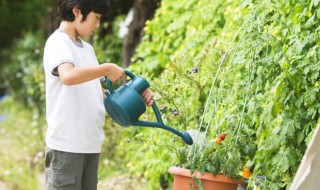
{"x":223,"y":136}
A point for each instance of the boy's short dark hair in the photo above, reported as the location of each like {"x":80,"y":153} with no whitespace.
{"x":85,"y":6}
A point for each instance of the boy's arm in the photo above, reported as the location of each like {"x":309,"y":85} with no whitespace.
{"x":70,"y":75}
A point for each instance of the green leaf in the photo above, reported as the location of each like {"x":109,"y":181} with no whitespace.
{"x":202,"y":168}
{"x":315,"y":2}
{"x":310,"y":21}
{"x":210,"y":167}
{"x":292,"y":157}
{"x":300,"y":138}
{"x":183,"y":155}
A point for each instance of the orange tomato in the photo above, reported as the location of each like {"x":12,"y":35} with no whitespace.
{"x":246,"y":172}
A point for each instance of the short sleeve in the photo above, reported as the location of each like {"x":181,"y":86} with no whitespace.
{"x":102,"y":79}
{"x":56,"y":52}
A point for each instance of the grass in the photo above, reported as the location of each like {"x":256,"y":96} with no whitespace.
{"x":22,"y":146}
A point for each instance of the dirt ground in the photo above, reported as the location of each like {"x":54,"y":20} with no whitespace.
{"x":120,"y":183}
{"x":114,"y":183}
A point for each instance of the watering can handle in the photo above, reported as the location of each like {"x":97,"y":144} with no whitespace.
{"x":159,"y":122}
{"x":109,"y":83}
{"x":157,"y":113}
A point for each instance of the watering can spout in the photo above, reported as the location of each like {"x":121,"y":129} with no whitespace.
{"x":159,"y":124}
{"x":184,"y":135}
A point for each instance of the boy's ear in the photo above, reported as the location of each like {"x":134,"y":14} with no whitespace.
{"x":76,"y":11}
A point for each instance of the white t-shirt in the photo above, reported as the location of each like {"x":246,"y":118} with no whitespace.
{"x":75,"y":113}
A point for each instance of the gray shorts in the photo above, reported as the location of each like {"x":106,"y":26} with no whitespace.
{"x":71,"y":171}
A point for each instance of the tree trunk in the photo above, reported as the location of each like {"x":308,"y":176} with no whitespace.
{"x":143,"y":11}
{"x":116,"y":8}
{"x":51,"y":21}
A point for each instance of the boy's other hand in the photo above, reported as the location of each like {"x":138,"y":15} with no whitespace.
{"x":147,"y":96}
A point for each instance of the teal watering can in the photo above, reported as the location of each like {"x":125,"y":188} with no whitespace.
{"x":125,"y":105}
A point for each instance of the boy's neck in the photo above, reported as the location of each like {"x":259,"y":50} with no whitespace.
{"x":69,"y":29}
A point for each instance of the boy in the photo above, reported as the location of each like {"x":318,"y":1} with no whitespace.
{"x":74,"y":97}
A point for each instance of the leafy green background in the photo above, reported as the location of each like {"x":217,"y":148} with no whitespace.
{"x":270,"y":76}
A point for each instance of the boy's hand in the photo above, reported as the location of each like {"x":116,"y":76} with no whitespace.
{"x":147,"y":96}
{"x":113,"y":71}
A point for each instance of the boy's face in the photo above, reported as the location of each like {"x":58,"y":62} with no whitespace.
{"x":86,"y":28}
